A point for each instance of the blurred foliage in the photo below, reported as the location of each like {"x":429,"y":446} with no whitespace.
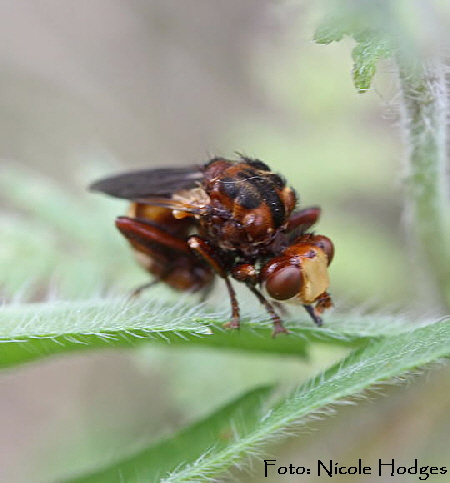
{"x":57,"y":239}
{"x":366,"y":23}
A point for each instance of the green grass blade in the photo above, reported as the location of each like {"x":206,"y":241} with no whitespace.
{"x":213,"y":433}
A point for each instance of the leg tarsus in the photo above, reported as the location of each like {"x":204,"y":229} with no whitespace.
{"x":232,"y":324}
{"x":279,"y":328}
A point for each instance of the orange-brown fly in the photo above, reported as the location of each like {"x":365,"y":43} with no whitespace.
{"x":234,"y":219}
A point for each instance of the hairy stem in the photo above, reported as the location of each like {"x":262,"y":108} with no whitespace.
{"x":424,"y":118}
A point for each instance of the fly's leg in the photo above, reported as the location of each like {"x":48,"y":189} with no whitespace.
{"x":246,"y":273}
{"x":323,"y":303}
{"x":138,"y":290}
{"x":167,"y":257}
{"x":312,"y":313}
{"x":281,"y":308}
{"x":303,"y":220}
{"x":151,"y":239}
{"x":204,"y":249}
{"x":278,"y":327}
{"x":235,"y":321}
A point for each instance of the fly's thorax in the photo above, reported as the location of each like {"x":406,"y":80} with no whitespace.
{"x":248,"y":203}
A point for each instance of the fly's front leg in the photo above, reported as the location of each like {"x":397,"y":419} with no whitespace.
{"x":312,"y":313}
{"x":204,"y":249}
{"x":246,"y":273}
{"x":278,"y":327}
{"x":323,"y":302}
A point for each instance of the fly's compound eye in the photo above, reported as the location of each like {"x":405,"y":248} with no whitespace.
{"x":326,"y":245}
{"x":284,"y":283}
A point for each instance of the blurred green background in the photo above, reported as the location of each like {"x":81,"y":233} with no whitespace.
{"x":89,"y":88}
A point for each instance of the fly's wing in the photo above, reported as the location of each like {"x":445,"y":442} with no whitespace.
{"x":149,"y":183}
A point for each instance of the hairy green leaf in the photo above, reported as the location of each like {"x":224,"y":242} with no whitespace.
{"x":383,"y":360}
{"x":32,"y":331}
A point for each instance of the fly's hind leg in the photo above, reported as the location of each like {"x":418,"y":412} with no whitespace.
{"x":150,"y":240}
{"x":138,"y":290}
{"x":204,"y":249}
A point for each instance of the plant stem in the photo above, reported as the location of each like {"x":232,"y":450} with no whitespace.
{"x":424,"y":118}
